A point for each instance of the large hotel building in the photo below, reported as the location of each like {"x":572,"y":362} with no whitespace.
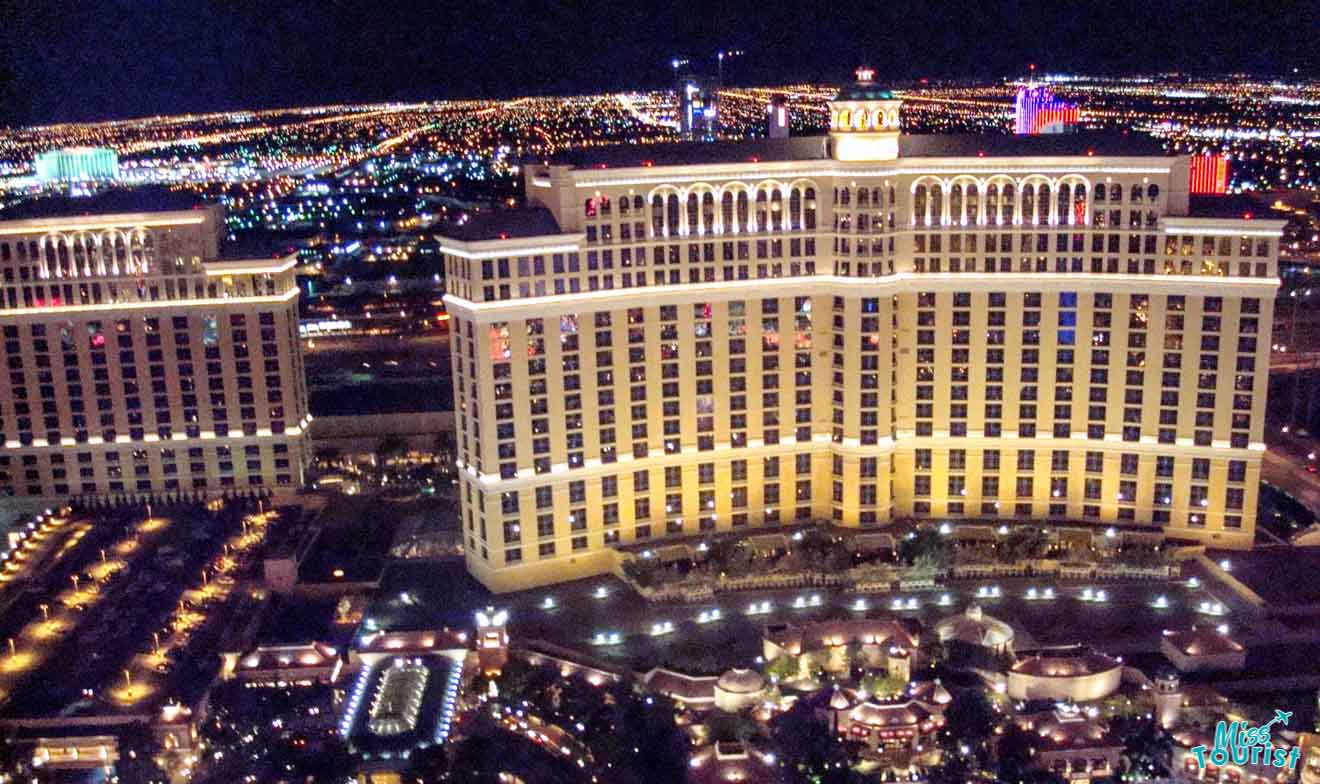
{"x":859,"y":328}
{"x":139,"y":364}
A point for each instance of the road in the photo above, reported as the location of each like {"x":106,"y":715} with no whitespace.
{"x":1288,"y":473}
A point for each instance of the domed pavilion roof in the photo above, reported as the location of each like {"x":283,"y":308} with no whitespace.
{"x":737,"y":681}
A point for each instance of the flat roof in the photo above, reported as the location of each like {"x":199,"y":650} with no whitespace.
{"x":109,"y":202}
{"x":910,"y":146}
{"x":1234,"y":206}
{"x":503,"y":225}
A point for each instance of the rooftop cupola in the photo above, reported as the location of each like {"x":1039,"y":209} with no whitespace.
{"x":864,"y":121}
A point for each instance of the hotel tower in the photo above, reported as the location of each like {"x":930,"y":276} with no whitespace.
{"x":139,"y":365}
{"x":680,"y":340}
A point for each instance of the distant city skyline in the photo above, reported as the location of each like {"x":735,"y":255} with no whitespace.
{"x":82,"y":61}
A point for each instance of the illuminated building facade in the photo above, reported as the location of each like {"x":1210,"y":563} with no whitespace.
{"x":689,"y":339}
{"x":1037,"y":110}
{"x":1209,"y":174}
{"x":139,"y":365}
{"x":77,"y":164}
{"x":698,"y":108}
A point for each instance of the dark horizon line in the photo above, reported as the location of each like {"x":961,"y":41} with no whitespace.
{"x":502,"y":95}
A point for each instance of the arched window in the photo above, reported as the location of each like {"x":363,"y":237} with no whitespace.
{"x":623,"y":206}
{"x":1153,"y":192}
{"x":1116,"y":192}
{"x":692,"y":214}
{"x":845,"y":196}
{"x":845,"y":119}
{"x":637,"y":203}
{"x":592,"y":207}
{"x":919,"y":205}
{"x":809,"y":210}
{"x":863,"y":197}
{"x":936,"y":204}
{"x":707,"y":213}
{"x":671,"y":214}
{"x":1099,"y":193}
{"x":1063,"y":206}
{"x":1080,"y":208}
{"x":742,"y":210}
{"x":726,"y":210}
{"x":992,"y":203}
{"x":1136,"y":193}
{"x":1008,"y":203}
{"x":972,"y":197}
{"x":794,"y":220}
{"x":657,"y":216}
{"x":956,"y":204}
{"x":1029,"y":203}
{"x":762,"y":216}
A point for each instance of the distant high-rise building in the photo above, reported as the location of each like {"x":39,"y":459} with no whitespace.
{"x":1037,"y":110}
{"x":777,"y":116}
{"x":674,"y":344}
{"x":138,"y":364}
{"x":698,"y":108}
{"x":1209,"y":174}
{"x":77,"y":164}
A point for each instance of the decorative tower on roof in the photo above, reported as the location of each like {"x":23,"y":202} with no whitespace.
{"x":864,"y":121}
{"x":1168,"y":698}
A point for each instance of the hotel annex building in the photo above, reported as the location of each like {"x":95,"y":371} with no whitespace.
{"x":138,"y":364}
{"x":859,"y":328}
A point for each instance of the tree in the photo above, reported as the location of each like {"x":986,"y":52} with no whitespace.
{"x":137,"y":750}
{"x":721,"y":726}
{"x":933,"y":649}
{"x":969,"y":722}
{"x":806,"y":748}
{"x":1014,"y":751}
{"x":646,"y":745}
{"x":1023,"y":543}
{"x":642,"y":571}
{"x":881,"y":686}
{"x":927,"y":545}
{"x":1146,"y":747}
{"x":783,"y":667}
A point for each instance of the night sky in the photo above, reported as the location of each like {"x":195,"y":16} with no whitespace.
{"x":99,"y":59}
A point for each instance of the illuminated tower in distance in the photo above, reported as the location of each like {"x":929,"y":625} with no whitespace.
{"x":698,"y":108}
{"x":777,"y":116}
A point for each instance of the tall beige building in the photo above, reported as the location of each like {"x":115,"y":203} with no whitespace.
{"x":138,"y":364}
{"x":859,"y":328}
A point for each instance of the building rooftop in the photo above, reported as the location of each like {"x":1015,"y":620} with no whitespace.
{"x":681,"y":686}
{"x":799,"y":148}
{"x":1068,"y":662}
{"x":974,"y":627}
{"x":1234,"y":206}
{"x":863,"y":91}
{"x":503,"y":225}
{"x":1203,"y":641}
{"x":805,"y":148}
{"x":870,"y":631}
{"x":109,"y":202}
{"x":891,"y":714}
{"x":1067,"y":728}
